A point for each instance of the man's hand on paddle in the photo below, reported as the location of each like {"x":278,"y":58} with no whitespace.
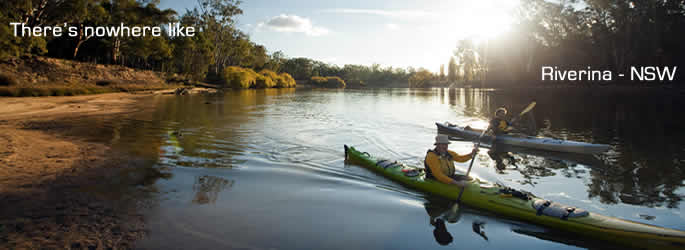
{"x":514,"y":120}
{"x":474,"y":151}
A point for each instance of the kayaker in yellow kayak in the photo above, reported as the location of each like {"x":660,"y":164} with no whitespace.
{"x":439,"y":162}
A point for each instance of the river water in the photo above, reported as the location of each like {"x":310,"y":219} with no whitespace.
{"x":264,"y":169}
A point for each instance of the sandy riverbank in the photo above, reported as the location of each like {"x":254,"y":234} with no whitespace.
{"x":49,"y":180}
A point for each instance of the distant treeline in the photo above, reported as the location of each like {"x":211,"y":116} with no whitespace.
{"x":353,"y":75}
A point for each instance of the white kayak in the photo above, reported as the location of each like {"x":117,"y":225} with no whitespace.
{"x":540,"y":143}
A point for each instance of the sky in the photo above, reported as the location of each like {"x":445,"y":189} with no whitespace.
{"x":397,"y":33}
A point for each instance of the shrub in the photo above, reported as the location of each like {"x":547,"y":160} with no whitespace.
{"x":122,"y":89}
{"x":5,"y":91}
{"x":286,"y":81}
{"x":104,"y":83}
{"x":421,"y":79}
{"x":27,"y":91}
{"x":317,"y":80}
{"x":327,"y":82}
{"x":264,"y":82}
{"x":239,"y":78}
{"x":58,"y":91}
{"x":273,"y":75}
{"x":103,"y":90}
{"x":355,"y":84}
{"x":7,"y":80}
{"x":75,"y":91}
{"x":270,"y":79}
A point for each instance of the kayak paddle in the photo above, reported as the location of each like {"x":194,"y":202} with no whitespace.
{"x":454,"y":210}
{"x":473,"y":158}
{"x":528,"y":108}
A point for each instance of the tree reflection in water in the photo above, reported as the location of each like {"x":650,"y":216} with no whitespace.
{"x":207,"y":188}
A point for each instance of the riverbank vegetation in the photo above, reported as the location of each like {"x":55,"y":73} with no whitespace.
{"x":245,"y":78}
{"x":332,"y":82}
{"x":42,"y":76}
{"x":422,"y":79}
{"x":216,"y":46}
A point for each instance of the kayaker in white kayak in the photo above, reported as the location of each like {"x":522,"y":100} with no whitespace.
{"x":439,"y":162}
{"x":500,"y":125}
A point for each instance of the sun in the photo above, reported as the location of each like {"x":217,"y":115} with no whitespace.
{"x":484,"y":19}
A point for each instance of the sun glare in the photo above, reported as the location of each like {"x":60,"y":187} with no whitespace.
{"x":478,"y":20}
{"x":486,"y":19}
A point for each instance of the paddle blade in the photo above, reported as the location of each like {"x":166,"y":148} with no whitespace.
{"x":453,"y":214}
{"x":528,"y":108}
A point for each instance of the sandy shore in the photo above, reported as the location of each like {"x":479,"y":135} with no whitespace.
{"x":47,"y":178}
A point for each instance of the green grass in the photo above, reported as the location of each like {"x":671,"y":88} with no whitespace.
{"x":73,"y":91}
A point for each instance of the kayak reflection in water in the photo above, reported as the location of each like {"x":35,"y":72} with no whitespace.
{"x":502,"y":158}
{"x":499,"y":125}
{"x":438,"y":212}
{"x":441,"y":211}
{"x":442,"y":236}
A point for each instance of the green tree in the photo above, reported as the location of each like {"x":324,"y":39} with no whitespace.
{"x":133,"y":13}
{"x":422,"y":78}
{"x":259,"y":56}
{"x":299,"y":68}
{"x":468,"y":58}
{"x":275,"y":61}
{"x":82,"y":13}
{"x":32,"y":13}
{"x":442,"y":72}
{"x":218,"y":22}
{"x":192,"y":55}
{"x":452,"y":70}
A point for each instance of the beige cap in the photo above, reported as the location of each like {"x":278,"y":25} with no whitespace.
{"x":441,"y":139}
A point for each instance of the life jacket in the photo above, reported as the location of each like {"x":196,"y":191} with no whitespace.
{"x":500,"y":126}
{"x":445,"y":162}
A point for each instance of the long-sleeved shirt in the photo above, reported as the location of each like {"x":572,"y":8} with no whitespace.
{"x":441,"y":167}
{"x":500,"y":126}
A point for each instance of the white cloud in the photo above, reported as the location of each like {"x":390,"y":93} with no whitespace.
{"x":293,"y":23}
{"x":392,"y":26}
{"x":385,"y":13}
